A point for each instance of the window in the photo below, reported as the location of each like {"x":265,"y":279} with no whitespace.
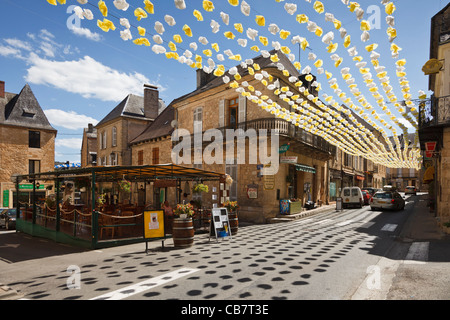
{"x":198,"y":119}
{"x":34,"y":166}
{"x":103,"y":140}
{"x":114,"y":136}
{"x":113,"y":158}
{"x":155,"y":156}
{"x":34,"y":139}
{"x":231,"y":169}
{"x":233,"y":107}
{"x":140,"y":161}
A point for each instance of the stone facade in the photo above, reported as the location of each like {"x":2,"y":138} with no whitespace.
{"x":27,"y":142}
{"x":258,"y":193}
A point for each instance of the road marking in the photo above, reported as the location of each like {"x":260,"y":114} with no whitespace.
{"x":146,"y":285}
{"x":389,"y":227}
{"x":344,"y":223}
{"x":324,"y":221}
{"x":367,"y":225}
{"x":418,"y":253}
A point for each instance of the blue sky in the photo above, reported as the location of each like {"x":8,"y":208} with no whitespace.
{"x":80,"y":76}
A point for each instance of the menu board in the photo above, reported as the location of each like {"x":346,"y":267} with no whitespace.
{"x":154,"y":226}
{"x":220,"y":223}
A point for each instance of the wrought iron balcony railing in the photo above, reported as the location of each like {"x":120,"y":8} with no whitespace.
{"x":283,"y":128}
{"x":434,"y":112}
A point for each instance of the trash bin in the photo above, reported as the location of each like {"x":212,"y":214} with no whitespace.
{"x":338,"y":204}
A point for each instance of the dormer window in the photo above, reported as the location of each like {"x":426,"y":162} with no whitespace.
{"x":28,"y":113}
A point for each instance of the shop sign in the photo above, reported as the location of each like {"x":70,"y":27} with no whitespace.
{"x":30,"y":187}
{"x":284,"y":148}
{"x":252,"y":191}
{"x":5,"y":198}
{"x":269,"y":178}
{"x":291,"y":159}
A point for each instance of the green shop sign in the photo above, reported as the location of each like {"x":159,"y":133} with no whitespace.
{"x":30,"y":187}
{"x":284,"y":148}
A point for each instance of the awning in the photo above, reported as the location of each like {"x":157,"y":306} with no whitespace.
{"x":304,"y":168}
{"x":428,"y":176}
{"x":361,"y":178}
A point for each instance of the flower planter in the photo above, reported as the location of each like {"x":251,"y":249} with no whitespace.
{"x":183,"y":232}
{"x":234,"y":222}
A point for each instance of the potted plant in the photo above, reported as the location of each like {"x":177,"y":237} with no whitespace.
{"x":183,"y":211}
{"x":446,"y":226}
{"x":232,"y":207}
{"x":199,"y":188}
{"x":183,"y":227}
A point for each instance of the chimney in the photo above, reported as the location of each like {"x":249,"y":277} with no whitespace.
{"x":151,"y":101}
{"x":90,"y":128}
{"x":2,"y":89}
{"x":203,"y":78}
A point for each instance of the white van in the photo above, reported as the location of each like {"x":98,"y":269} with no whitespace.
{"x":352,"y":196}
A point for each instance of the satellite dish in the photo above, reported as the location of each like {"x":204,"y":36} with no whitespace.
{"x":14,"y":178}
{"x":174,"y":123}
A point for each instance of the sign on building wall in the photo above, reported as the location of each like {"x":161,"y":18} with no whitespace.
{"x":5,"y":198}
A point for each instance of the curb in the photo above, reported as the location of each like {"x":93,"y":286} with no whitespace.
{"x":307,"y":213}
{"x":7,"y":293}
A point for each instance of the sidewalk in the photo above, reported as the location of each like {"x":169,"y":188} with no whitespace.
{"x":422,"y":225}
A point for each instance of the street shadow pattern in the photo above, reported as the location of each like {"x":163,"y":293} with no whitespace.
{"x":256,"y":263}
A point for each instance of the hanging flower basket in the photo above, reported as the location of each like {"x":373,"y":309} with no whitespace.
{"x":199,"y":188}
{"x":125,"y":186}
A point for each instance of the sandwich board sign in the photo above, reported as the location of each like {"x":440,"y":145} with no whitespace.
{"x":154,"y":226}
{"x":220,"y":224}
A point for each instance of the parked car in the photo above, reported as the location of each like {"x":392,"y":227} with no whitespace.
{"x":387,"y":200}
{"x":411,"y":190}
{"x":371,"y":190}
{"x":352,"y":196}
{"x":8,"y":218}
{"x":366,"y":196}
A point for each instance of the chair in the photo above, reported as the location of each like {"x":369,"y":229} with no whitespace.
{"x":106,"y":223}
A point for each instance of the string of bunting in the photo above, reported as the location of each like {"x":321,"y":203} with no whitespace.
{"x":285,"y":96}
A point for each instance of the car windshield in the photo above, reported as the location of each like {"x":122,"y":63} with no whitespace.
{"x":384,"y":195}
{"x":12,"y":212}
{"x":411,"y":188}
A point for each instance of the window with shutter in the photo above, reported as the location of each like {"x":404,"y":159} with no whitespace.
{"x":155,"y":156}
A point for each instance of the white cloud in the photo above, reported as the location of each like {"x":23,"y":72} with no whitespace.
{"x":9,"y":51}
{"x":84,"y":32}
{"x":86,"y":76}
{"x":68,"y":119}
{"x":19,"y":44}
{"x":71,"y":143}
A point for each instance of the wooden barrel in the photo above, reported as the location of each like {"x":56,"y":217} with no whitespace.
{"x":234,"y":223}
{"x":183,"y":232}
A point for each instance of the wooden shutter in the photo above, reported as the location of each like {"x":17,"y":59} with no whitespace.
{"x":221,"y":113}
{"x":242,"y":109}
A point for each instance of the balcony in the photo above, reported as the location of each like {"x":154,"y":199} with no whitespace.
{"x":434,"y":112}
{"x":434,"y":115}
{"x":301,"y":141}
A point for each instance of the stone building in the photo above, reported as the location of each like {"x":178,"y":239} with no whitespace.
{"x":347,"y":170}
{"x":434,"y":117}
{"x":89,"y":147}
{"x":27,"y":144}
{"x":403,"y":177}
{"x":123,"y":124}
{"x":302,"y":156}
{"x":154,"y":146}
